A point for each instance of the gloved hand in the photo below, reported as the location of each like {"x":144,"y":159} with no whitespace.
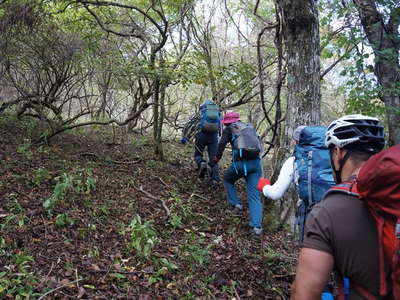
{"x":184,"y":140}
{"x":262,"y":182}
{"x":214,"y":159}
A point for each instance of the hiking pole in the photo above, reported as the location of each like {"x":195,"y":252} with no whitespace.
{"x":262,"y":205}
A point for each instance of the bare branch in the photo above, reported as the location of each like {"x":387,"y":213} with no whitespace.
{"x":154,"y":198}
{"x":337,"y":61}
{"x":120,"y":5}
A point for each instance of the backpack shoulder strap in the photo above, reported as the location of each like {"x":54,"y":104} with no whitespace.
{"x":347,"y":187}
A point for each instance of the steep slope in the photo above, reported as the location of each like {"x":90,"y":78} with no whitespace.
{"x":84,"y":218}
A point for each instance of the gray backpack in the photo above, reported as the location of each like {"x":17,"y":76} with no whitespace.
{"x":246,"y":143}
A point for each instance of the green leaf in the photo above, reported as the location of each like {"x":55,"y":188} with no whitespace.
{"x":88,"y":286}
{"x":118,"y":275}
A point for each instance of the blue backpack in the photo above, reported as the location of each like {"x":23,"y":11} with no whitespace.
{"x":313,"y":172}
{"x":210,"y":117}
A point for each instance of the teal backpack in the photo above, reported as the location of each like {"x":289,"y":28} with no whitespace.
{"x":313,"y":172}
{"x":210,"y":117}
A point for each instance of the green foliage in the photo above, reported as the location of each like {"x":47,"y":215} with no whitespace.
{"x":164,"y":267}
{"x":94,"y":252}
{"x":39,"y":176}
{"x":339,"y":34}
{"x":3,"y":247}
{"x":25,"y":150}
{"x":179,"y":207}
{"x":143,"y":236}
{"x":175,"y":221}
{"x":64,"y":220}
{"x":80,"y":181}
{"x":272,"y":256}
{"x":198,"y":252}
{"x":16,"y":217}
{"x":77,"y":21}
{"x":139,"y":142}
{"x":362,"y":90}
{"x":234,"y":77}
{"x":17,"y":282}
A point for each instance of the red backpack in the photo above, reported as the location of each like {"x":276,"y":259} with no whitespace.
{"x":378,"y":184}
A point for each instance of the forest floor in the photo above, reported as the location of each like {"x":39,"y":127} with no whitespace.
{"x":85,"y":218}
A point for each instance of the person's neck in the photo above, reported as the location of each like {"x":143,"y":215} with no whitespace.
{"x":350,"y":171}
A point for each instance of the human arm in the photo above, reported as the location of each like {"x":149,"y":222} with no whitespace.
{"x":317,"y":256}
{"x":225,"y":139}
{"x":283,"y":182}
{"x":312,"y":274}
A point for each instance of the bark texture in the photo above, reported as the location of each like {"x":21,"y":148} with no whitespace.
{"x":385,"y":42}
{"x":300,"y":28}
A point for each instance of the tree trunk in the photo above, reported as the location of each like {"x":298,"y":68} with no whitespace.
{"x":301,"y":40}
{"x":383,"y":39}
{"x":157,"y":128}
{"x":214,"y":91}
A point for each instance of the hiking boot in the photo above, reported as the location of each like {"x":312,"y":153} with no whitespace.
{"x":236,"y":210}
{"x":256,"y":232}
{"x":202,"y":169}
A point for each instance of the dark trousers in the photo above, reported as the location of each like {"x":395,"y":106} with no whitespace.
{"x":209,"y":140}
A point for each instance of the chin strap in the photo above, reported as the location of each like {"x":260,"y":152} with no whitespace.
{"x":338,"y":173}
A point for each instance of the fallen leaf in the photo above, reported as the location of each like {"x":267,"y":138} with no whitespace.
{"x":249,"y":293}
{"x":171,"y":285}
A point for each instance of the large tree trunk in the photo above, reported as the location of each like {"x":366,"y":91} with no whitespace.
{"x":384,"y":40}
{"x":301,"y":40}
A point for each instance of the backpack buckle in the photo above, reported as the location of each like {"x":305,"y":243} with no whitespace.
{"x":398,"y":231}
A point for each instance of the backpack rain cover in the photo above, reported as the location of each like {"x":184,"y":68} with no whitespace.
{"x":209,"y":117}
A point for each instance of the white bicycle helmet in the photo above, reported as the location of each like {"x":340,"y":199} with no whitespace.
{"x":363,"y":131}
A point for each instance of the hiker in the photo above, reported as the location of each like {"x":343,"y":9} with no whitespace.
{"x":342,"y":232}
{"x":286,"y":175}
{"x":308,"y":169}
{"x":207,"y":126}
{"x":246,"y":148}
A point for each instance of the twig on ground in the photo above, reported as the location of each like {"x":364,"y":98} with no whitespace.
{"x":162,"y":181}
{"x":113,"y":161}
{"x":283,"y":275}
{"x":198,"y":196}
{"x":125,"y":162}
{"x":46,"y":277}
{"x":23,"y":194}
{"x":204,"y":216}
{"x":89,"y":154}
{"x":76,"y":276}
{"x":154,"y":198}
{"x":120,"y":272}
{"x":234,"y":289}
{"x":58,"y":288}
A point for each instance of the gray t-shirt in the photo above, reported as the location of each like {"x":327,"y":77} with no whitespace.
{"x":342,"y":226}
